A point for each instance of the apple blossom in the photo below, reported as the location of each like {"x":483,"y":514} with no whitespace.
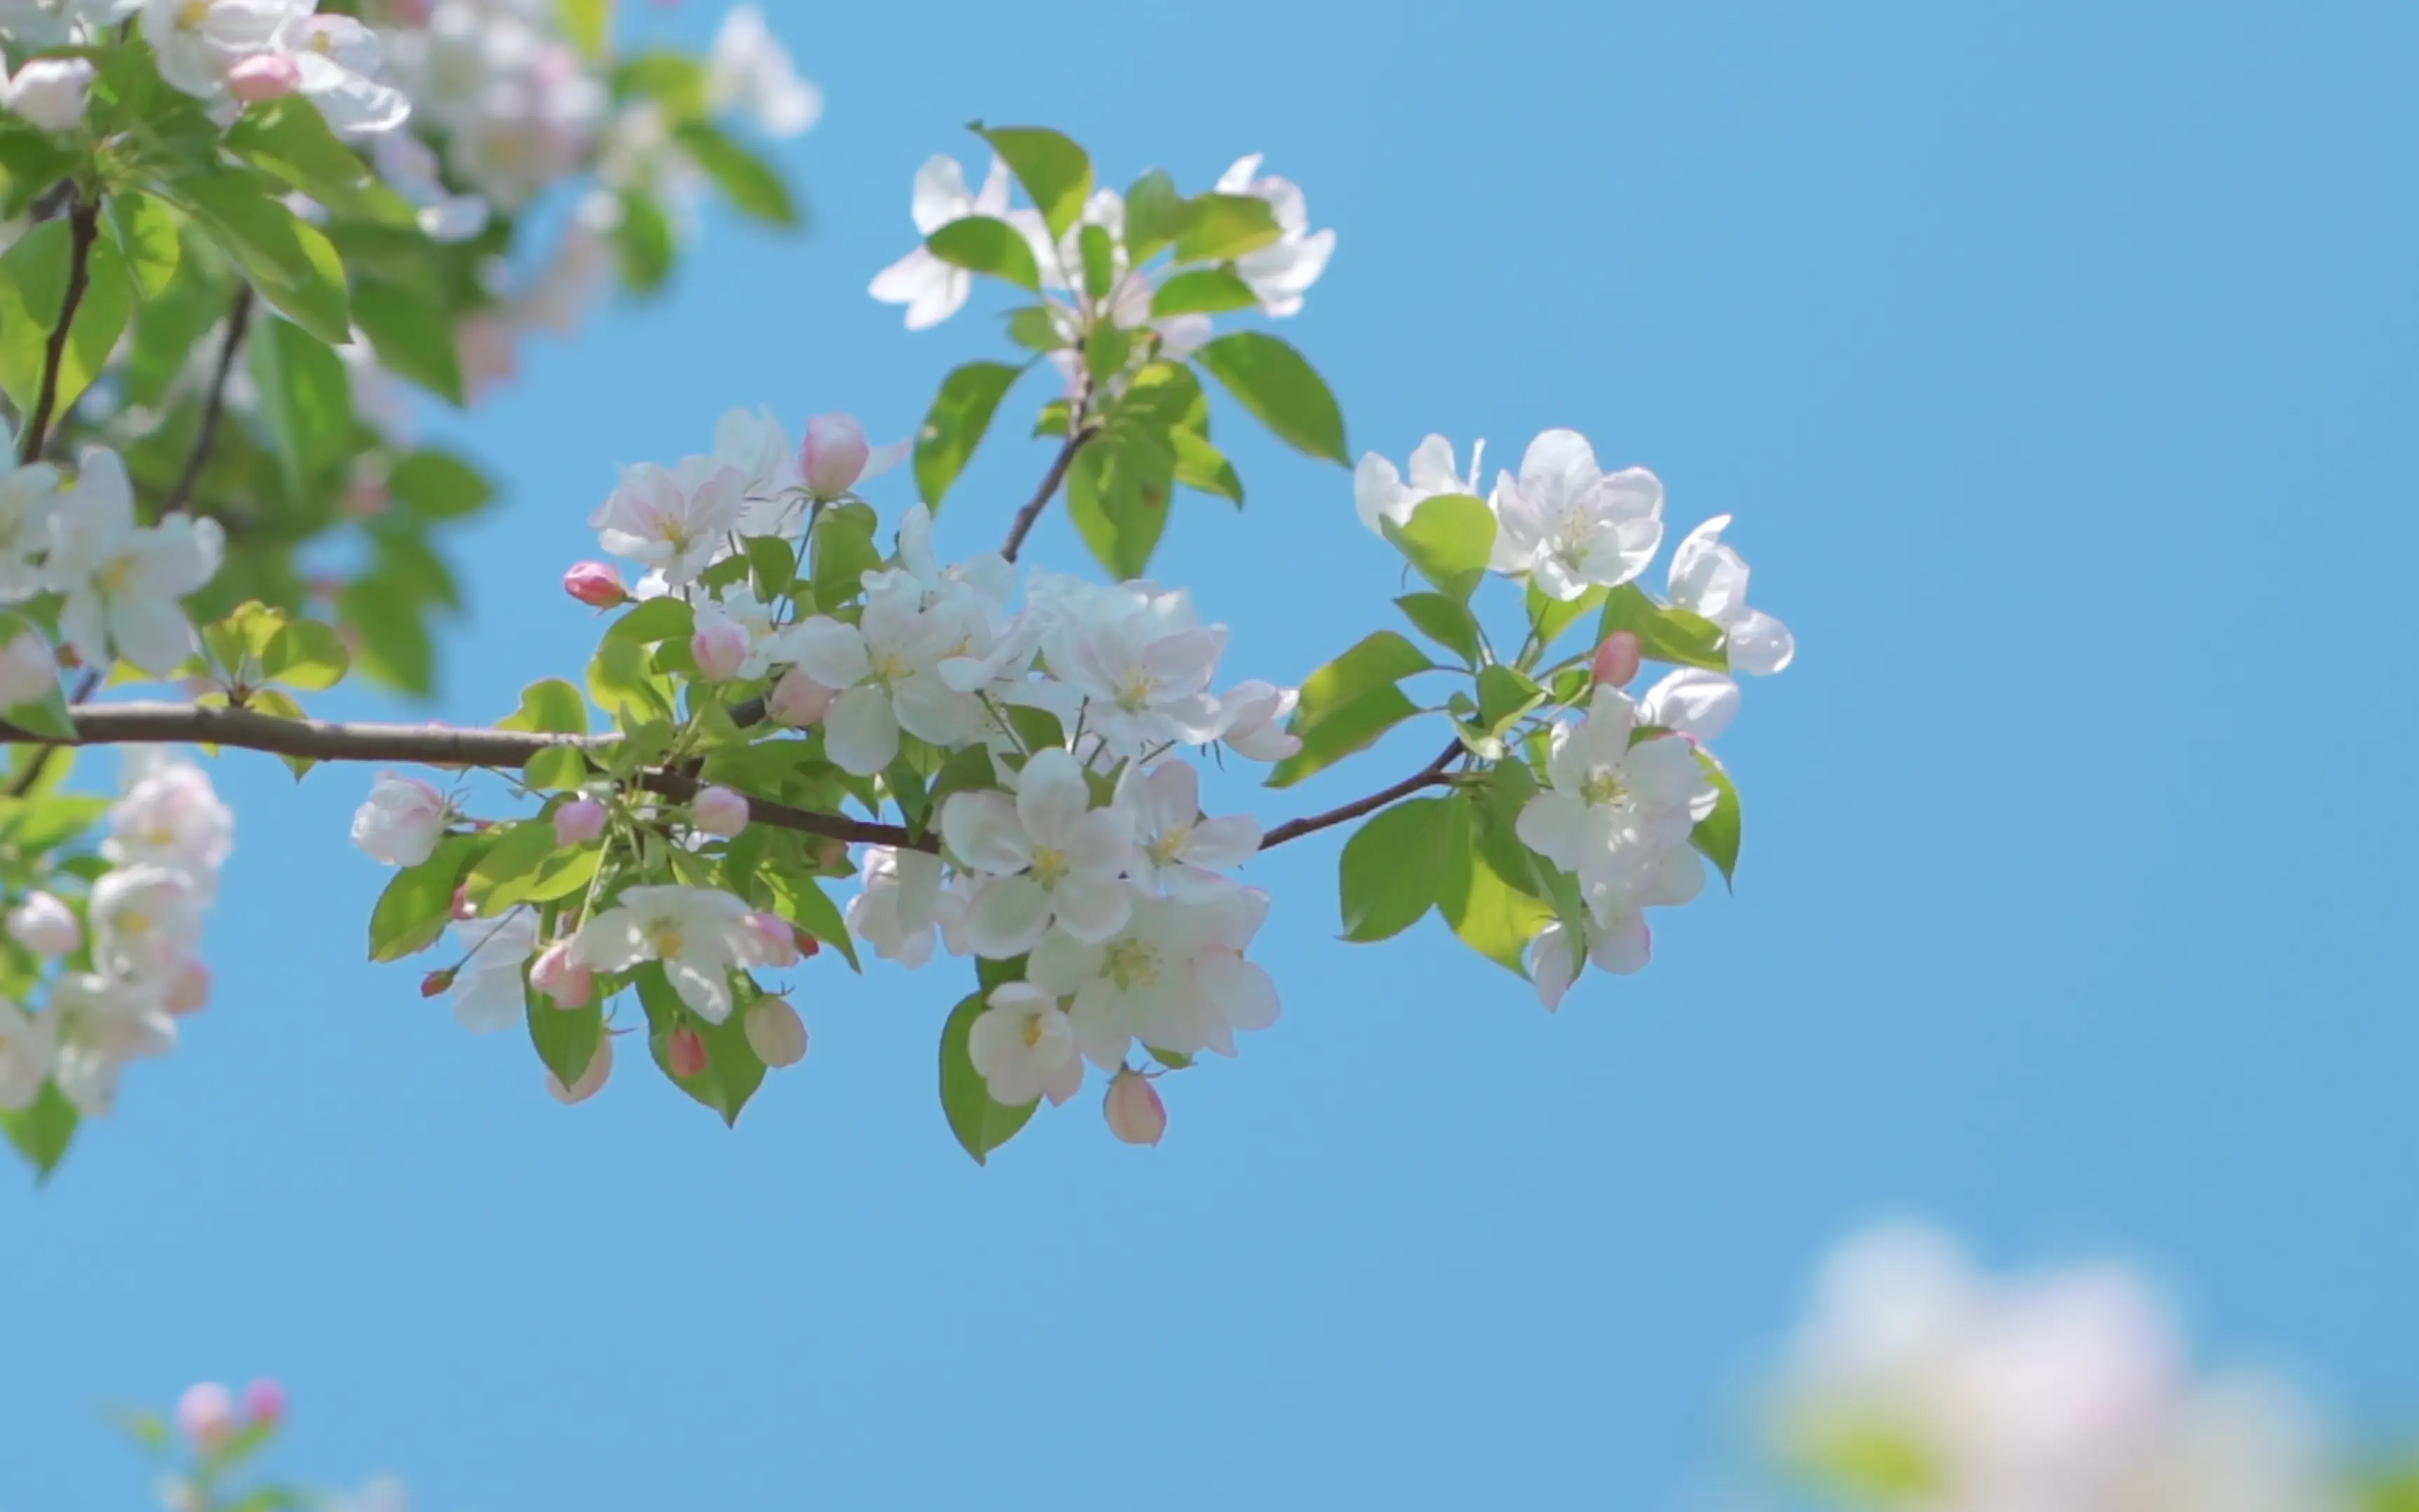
{"x":1691,"y":701}
{"x":1173,"y":978}
{"x":196,"y":41}
{"x":1049,"y":854}
{"x":597,"y":584}
{"x":1380,"y":495}
{"x":1568,"y":525}
{"x":797,"y":700}
{"x":591,"y":1082}
{"x":775,"y":1032}
{"x":899,"y":905}
{"x":1177,"y":850}
{"x":1252,"y":716}
{"x":264,"y":1401}
{"x":836,"y":457}
{"x":720,"y":812}
{"x":1710,"y":579}
{"x":1611,"y":804}
{"x":564,"y":981}
{"x":25,"y":1046}
{"x":933,"y":290}
{"x":750,"y":69}
{"x":1617,"y":661}
{"x":402,"y":822}
{"x":720,"y":647}
{"x":28,"y":498}
{"x":886,"y":670}
{"x":1141,"y":657}
{"x":674,"y":521}
{"x":29,"y":669}
{"x":339,"y":59}
{"x":699,"y":934}
{"x":1615,"y":937}
{"x":487,"y":985}
{"x":777,"y":939}
{"x":411,"y":166}
{"x":144,"y":920}
{"x":44,"y":925}
{"x":50,"y":92}
{"x":189,"y":990}
{"x":581,"y":821}
{"x":123,"y":581}
{"x":1135,"y":1112}
{"x":170,"y":815}
{"x":102,"y":1024}
{"x":265,"y":76}
{"x":1282,"y":271}
{"x":205,"y":1414}
{"x":1025,"y":1047}
{"x":685,"y":1053}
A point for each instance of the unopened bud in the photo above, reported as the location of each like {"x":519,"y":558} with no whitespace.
{"x":721,"y":649}
{"x":1617,"y":660}
{"x":776,"y":1032}
{"x":44,"y":925}
{"x":189,"y":990}
{"x":266,"y":76}
{"x":720,"y":812}
{"x":29,"y":669}
{"x":592,"y":1081}
{"x":595,"y":584}
{"x":808,"y":947}
{"x":834,"y":456}
{"x":581,"y":821}
{"x":777,"y":937}
{"x":562,"y":978}
{"x":50,"y":92}
{"x":437,"y":983}
{"x":686,"y":1053}
{"x":463,"y":907}
{"x":798,"y":701}
{"x":264,"y":1401}
{"x":1135,"y":1112}
{"x":206,"y":1413}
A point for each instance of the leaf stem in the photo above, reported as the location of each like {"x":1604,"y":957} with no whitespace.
{"x":1076,"y":440}
{"x":214,"y":407}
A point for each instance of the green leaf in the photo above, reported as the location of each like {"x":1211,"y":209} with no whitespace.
{"x":516,"y":852}
{"x":439,"y":486}
{"x":644,"y":243}
{"x":1056,"y":174}
{"x":773,"y":562}
{"x":1118,"y":494}
{"x":1376,"y":661}
{"x":391,"y":619}
{"x":1449,"y":539}
{"x":1444,"y":620}
{"x":981,"y":1122}
{"x":307,"y":397}
{"x":1392,"y":865}
{"x":985,"y":244}
{"x":843,"y":553}
{"x":654,"y":619}
{"x":955,"y":425}
{"x":1491,"y":916}
{"x":1106,"y":351}
{"x":566,"y":1038}
{"x":1099,"y":255}
{"x":282,"y":706}
{"x":1348,"y":728}
{"x":1200,"y":465}
{"x":33,"y":293}
{"x":1219,"y":226}
{"x":305,"y":654}
{"x":588,"y":24}
{"x":549,"y":706}
{"x":1285,"y":392}
{"x":47,"y":714}
{"x":1505,"y":695}
{"x":1718,"y":833}
{"x":1034,"y":329}
{"x":416,"y":906}
{"x":802,"y":900}
{"x":732,"y":1069}
{"x":293,"y":266}
{"x":291,"y":140}
{"x":1204,"y":291}
{"x":413,"y":337}
{"x":42,"y":1132}
{"x":1154,"y":215}
{"x":1548,"y":617}
{"x":147,"y":235}
{"x":754,"y":186}
{"x":676,"y":79}
{"x":1665,"y":632}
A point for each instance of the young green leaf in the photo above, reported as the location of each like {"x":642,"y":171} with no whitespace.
{"x":549,"y":706}
{"x":1548,"y":617}
{"x":305,"y":654}
{"x":439,"y":486}
{"x":1203,"y":291}
{"x":1716,"y":835}
{"x":566,"y":1038}
{"x":1393,"y":866}
{"x":417,"y":905}
{"x":412,"y":336}
{"x":1379,"y":660}
{"x":307,"y":397}
{"x":147,"y":235}
{"x":843,"y":553}
{"x":1118,"y":495}
{"x":1200,"y":465}
{"x":1491,"y":916}
{"x":955,"y":425}
{"x":1154,"y":215}
{"x":1664,"y":631}
{"x":289,"y":261}
{"x":986,"y":244}
{"x":754,"y":186}
{"x":1449,"y":539}
{"x":644,"y":243}
{"x":1220,"y":227}
{"x":588,"y":24}
{"x":1099,"y":252}
{"x":1056,"y":172}
{"x":42,"y":1132}
{"x":981,"y":1123}
{"x":1446,"y":620}
{"x":1273,"y":381}
{"x":1348,"y":728}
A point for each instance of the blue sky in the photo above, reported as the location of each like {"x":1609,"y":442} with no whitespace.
{"x":2058,"y":365}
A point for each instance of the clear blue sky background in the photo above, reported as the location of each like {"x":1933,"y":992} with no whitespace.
{"x":2059,"y":366}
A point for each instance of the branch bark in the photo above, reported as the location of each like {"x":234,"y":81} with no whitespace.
{"x":114,"y":724}
{"x":1022,"y":526}
{"x":1432,"y":776}
{"x":83,"y":228}
{"x":214,"y":408}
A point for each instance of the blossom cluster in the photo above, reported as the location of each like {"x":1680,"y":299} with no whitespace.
{"x":121,"y":959}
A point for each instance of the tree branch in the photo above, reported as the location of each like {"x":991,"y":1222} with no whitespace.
{"x":214,"y":408}
{"x":1432,"y":776}
{"x":84,"y":227}
{"x":1050,"y":481}
{"x":115,"y":724}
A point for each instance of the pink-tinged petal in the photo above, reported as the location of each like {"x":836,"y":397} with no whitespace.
{"x":983,"y":832}
{"x":1230,"y":840}
{"x":1243,"y":992}
{"x":1006,"y":918}
{"x":1623,"y":946}
{"x":1102,"y":1031}
{"x":1101,"y":843}
{"x":830,"y":651}
{"x":1092,"y":908}
{"x":1556,"y":964}
{"x":861,"y":734}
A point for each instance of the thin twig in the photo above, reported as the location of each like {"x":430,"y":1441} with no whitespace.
{"x":1050,"y":481}
{"x":1432,"y":776}
{"x":84,"y":227}
{"x":214,"y":407}
{"x":323,"y":740}
{"x":32,"y":776}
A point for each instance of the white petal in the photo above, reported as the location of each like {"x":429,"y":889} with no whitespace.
{"x":1761,"y":645}
{"x":1007,"y":917}
{"x":1092,"y":908}
{"x":861,"y":734}
{"x":983,"y":832}
{"x":1052,"y":795}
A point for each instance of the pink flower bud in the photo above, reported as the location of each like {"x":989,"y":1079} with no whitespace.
{"x":44,"y":925}
{"x":808,"y":947}
{"x":437,"y":983}
{"x":835,"y":455}
{"x":595,"y":583}
{"x":189,"y":990}
{"x":265,"y":76}
{"x":1135,"y":1111}
{"x":720,"y":812}
{"x":463,"y":907}
{"x":777,"y":938}
{"x":206,"y":1413}
{"x":592,"y":1081}
{"x":798,"y":701}
{"x":562,"y":978}
{"x":264,"y":1401}
{"x":721,"y":649}
{"x":1617,"y":660}
{"x":685,"y":1053}
{"x":581,"y":821}
{"x":776,"y":1032}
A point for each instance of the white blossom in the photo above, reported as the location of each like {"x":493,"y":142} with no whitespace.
{"x":44,"y":925}
{"x":147,"y":920}
{"x":29,"y":669}
{"x":1048,"y":856}
{"x":340,"y":60}
{"x":402,"y":822}
{"x":50,"y":92}
{"x":1177,"y":851}
{"x":170,"y":816}
{"x":1139,"y":655}
{"x":516,"y":104}
{"x":1610,"y":806}
{"x":1697,"y":704}
{"x":899,"y":907}
{"x":750,"y":71}
{"x":123,"y":581}
{"x":45,"y":23}
{"x":102,"y":1024}
{"x":1253,"y":716}
{"x":411,"y":166}
{"x":1282,"y":271}
{"x":487,"y":985}
{"x":1025,"y":1047}
{"x":1380,"y":494}
{"x":1174,"y":978}
{"x":1710,"y":578}
{"x":887,"y":672}
{"x":1568,"y":525}
{"x":28,"y":496}
{"x":196,"y":41}
{"x":932,"y":289}
{"x":699,"y":934}
{"x":675,"y":521}
{"x":25,"y":1049}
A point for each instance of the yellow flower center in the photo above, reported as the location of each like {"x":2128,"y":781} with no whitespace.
{"x":1139,"y":689}
{"x":1601,"y":786}
{"x":1033,"y":1032}
{"x":1050,"y":867}
{"x":194,"y":14}
{"x":1169,"y":848}
{"x":667,"y":941}
{"x":1132,"y":964}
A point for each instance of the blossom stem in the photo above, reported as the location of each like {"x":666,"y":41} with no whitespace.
{"x":114,"y":724}
{"x":214,"y":407}
{"x":83,"y":228}
{"x":1076,"y":440}
{"x":1432,"y":776}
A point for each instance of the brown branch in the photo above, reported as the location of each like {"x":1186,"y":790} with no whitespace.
{"x":322,"y":740}
{"x":214,"y":408}
{"x":1050,"y":481}
{"x":32,"y":776}
{"x":1432,"y":776}
{"x":84,"y":227}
